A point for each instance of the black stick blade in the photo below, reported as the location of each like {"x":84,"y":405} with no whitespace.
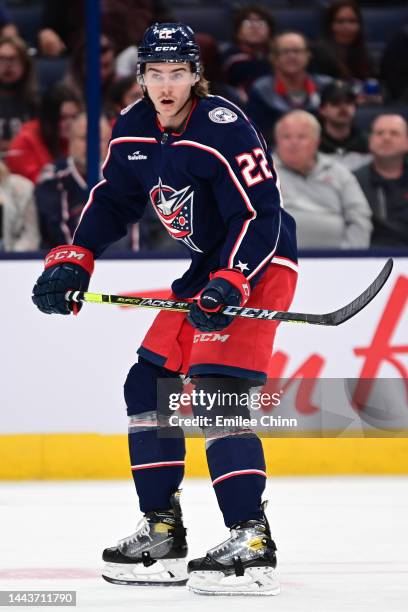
{"x":344,"y":314}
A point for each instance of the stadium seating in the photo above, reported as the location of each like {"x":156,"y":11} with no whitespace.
{"x":365,"y":115}
{"x":28,"y":19}
{"x":49,"y":70}
{"x":299,"y":19}
{"x":213,"y":20}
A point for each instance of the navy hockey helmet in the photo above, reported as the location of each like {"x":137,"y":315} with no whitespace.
{"x":168,"y":42}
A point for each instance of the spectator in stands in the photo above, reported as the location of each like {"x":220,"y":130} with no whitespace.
{"x":62,"y":191}
{"x":19,"y":224}
{"x":76,"y":77}
{"x":44,"y":140}
{"x":123,"y":21}
{"x":143,"y":13}
{"x":124,"y":91}
{"x":7,"y":27}
{"x":126,"y":62}
{"x":291,"y":87}
{"x":212,"y":70}
{"x":247,"y":59}
{"x":329,"y":207}
{"x":340,"y":138}
{"x":394,"y":67}
{"x":342,"y":52}
{"x":18,"y":89}
{"x":385,"y":181}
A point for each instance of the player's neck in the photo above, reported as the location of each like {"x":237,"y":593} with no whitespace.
{"x":176,"y":122}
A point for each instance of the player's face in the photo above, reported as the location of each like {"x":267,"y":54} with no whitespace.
{"x":389,"y":137}
{"x":169,"y":88}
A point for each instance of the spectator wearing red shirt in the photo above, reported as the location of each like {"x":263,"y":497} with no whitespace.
{"x":44,"y":140}
{"x":290,"y":87}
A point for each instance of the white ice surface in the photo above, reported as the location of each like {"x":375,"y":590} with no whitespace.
{"x":343,"y":544}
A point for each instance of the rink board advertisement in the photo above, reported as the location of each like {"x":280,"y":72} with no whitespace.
{"x":62,"y":377}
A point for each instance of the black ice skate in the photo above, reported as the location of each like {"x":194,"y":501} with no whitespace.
{"x":154,"y":555}
{"x":242,"y":565}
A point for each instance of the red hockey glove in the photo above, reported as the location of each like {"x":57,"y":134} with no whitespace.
{"x":227,"y":287}
{"x":67,"y":268}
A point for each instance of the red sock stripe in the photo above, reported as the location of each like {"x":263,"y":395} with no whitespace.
{"x":146,"y":466}
{"x":237,"y":473}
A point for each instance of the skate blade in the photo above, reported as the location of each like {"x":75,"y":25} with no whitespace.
{"x":165,"y":572}
{"x":145,"y":583}
{"x":255,"y":581}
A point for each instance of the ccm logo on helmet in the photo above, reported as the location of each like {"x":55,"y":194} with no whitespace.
{"x":64,"y":255}
{"x":166,"y":48}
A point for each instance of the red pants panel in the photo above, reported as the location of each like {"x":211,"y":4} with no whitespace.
{"x":244,"y":348}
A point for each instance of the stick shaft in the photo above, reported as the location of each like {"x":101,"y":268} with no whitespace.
{"x":329,"y":319}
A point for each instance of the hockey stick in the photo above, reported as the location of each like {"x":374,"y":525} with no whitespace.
{"x":331,"y":318}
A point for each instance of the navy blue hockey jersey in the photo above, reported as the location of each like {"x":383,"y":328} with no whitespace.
{"x":212,"y":185}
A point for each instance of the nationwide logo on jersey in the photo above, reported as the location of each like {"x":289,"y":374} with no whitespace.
{"x":175,"y":211}
{"x":136,"y":155}
{"x":222,"y":115}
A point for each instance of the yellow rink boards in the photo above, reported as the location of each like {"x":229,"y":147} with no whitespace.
{"x":76,"y":456}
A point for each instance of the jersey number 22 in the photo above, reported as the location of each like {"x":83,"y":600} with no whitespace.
{"x":254,"y":166}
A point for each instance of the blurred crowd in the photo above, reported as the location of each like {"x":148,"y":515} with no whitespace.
{"x":331,"y":104}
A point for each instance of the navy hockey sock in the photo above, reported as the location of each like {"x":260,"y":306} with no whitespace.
{"x":157,"y":461}
{"x":157,"y":467}
{"x":237,"y":468}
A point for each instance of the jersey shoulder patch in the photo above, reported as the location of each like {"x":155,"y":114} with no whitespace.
{"x":221,"y":114}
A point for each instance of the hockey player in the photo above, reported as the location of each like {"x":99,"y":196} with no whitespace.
{"x":204,"y":168}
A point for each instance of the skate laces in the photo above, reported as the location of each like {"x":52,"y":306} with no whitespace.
{"x":142,"y":530}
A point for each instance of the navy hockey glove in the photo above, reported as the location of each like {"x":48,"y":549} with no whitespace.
{"x":226,"y":288}
{"x":67,"y":268}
